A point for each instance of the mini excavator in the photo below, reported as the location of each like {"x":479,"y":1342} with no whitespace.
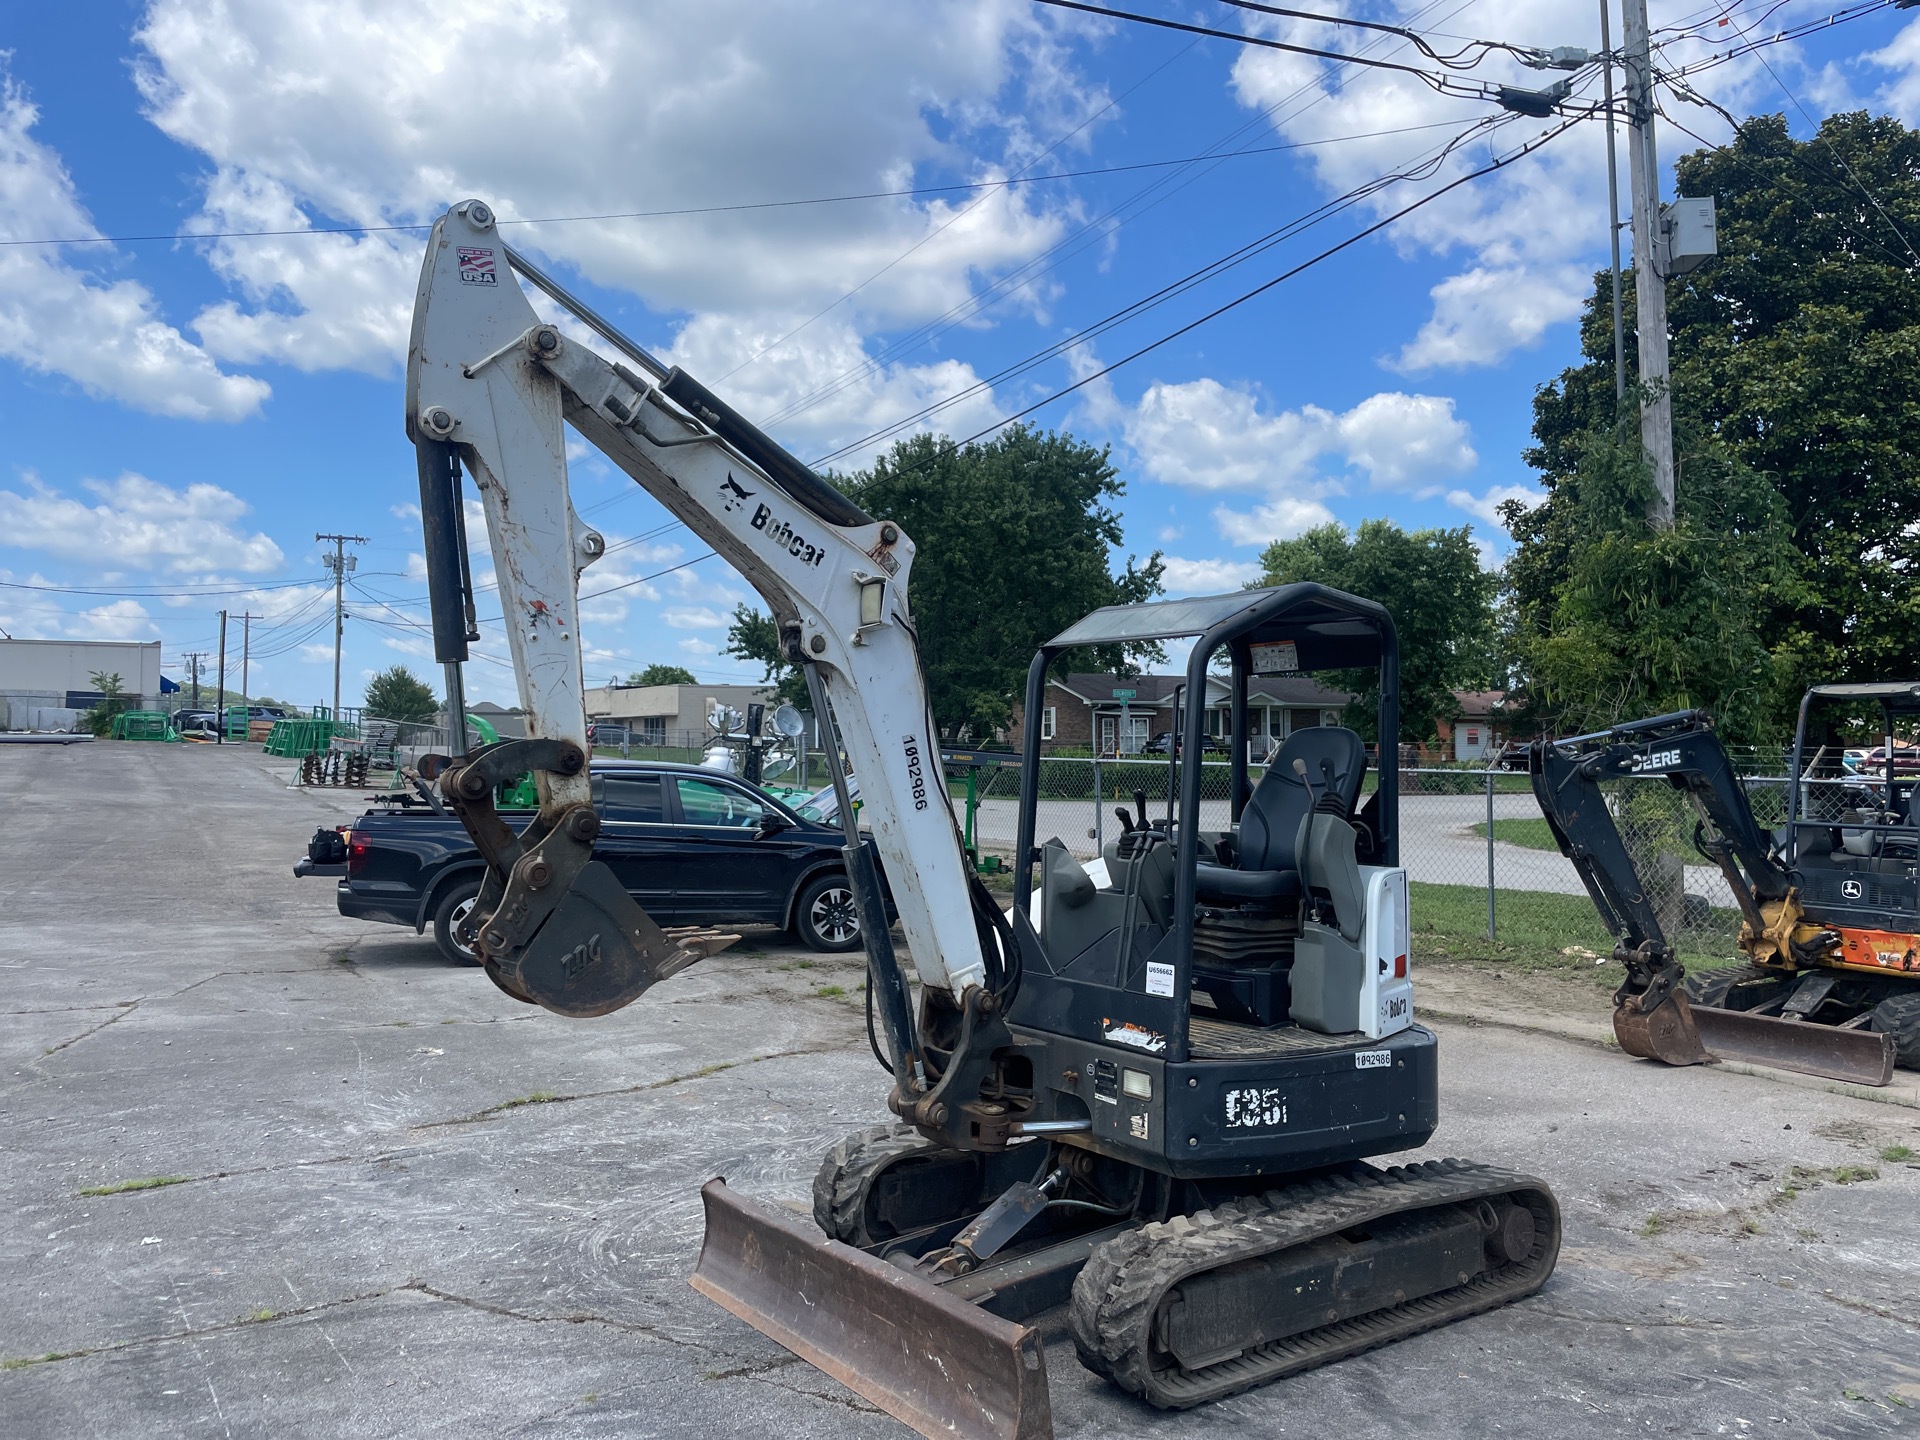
{"x":1148,"y":1092}
{"x":1829,"y":902}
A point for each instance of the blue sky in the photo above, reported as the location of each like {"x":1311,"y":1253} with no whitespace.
{"x":180,"y":416}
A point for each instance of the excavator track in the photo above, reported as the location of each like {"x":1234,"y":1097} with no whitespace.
{"x":1129,"y":1307}
{"x":848,"y":1172}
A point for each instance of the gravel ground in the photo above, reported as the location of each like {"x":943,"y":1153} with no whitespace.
{"x":411,"y":1206}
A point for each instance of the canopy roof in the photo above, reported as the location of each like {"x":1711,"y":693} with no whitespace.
{"x":1295,"y":612}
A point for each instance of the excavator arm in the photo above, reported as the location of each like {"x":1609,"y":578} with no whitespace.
{"x":490,"y":387}
{"x":1652,"y":1016}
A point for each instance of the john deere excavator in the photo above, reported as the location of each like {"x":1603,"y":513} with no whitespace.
{"x":1829,"y":902}
{"x":1148,"y":1091}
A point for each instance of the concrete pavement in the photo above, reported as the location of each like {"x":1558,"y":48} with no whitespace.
{"x":411,"y":1206}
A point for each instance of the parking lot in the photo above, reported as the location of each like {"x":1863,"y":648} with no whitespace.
{"x":408,"y":1205}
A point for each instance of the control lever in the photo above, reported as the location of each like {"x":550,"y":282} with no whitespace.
{"x":1126,"y":820}
{"x":1140,"y":804}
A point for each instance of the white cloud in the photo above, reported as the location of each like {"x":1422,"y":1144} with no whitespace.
{"x":1486,"y":507}
{"x":1207,"y":577}
{"x":689,"y":617}
{"x":1205,"y":436}
{"x":106,"y":336}
{"x":140,"y":523}
{"x":1482,"y":315}
{"x":383,"y":113}
{"x":1405,"y":440}
{"x":1901,"y":94}
{"x":1280,"y":519}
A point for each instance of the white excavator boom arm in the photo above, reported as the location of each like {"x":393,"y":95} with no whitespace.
{"x":486,"y":376}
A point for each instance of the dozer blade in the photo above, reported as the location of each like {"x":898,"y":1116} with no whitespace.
{"x":1665,"y":1032}
{"x":1859,"y":1057}
{"x":944,"y":1367}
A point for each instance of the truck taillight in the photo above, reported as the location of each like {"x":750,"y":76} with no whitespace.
{"x":357,"y":852}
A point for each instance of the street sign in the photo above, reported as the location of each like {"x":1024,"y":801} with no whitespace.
{"x":1125,"y":694}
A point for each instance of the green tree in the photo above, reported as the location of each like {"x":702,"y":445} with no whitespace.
{"x":1013,"y":541}
{"x":1637,"y":621}
{"x":113,"y":701}
{"x":662,"y":674}
{"x":399,"y":694}
{"x":753,"y":635}
{"x":1441,"y":600}
{"x":1796,"y":355}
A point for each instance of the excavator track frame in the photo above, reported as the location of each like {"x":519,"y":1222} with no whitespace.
{"x":1121,"y":1299}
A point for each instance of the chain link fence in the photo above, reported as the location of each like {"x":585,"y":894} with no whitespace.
{"x":1479,"y":855}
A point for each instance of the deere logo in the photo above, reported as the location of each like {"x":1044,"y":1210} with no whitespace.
{"x":1852,"y":889}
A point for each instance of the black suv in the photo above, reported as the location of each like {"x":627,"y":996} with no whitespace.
{"x":693,"y":846}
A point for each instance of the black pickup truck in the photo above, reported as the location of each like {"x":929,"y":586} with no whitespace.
{"x":693,"y":846}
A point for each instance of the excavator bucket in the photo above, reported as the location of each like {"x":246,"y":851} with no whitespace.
{"x":1859,"y":1057}
{"x":1664,"y":1031}
{"x":944,"y":1367}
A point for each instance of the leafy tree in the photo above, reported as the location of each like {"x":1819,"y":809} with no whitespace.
{"x":1441,"y":600}
{"x":753,"y":635}
{"x":1796,"y":355}
{"x":399,"y":694}
{"x":662,"y":674}
{"x":1013,"y":540}
{"x":1640,"y":621}
{"x":113,"y":701}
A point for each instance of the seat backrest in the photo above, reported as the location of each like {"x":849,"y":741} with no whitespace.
{"x":1270,"y":825}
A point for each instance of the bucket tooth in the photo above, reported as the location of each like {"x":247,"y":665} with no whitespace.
{"x":944,"y":1367}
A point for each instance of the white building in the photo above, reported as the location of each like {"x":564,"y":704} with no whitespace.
{"x":45,"y":684}
{"x":670,"y":714}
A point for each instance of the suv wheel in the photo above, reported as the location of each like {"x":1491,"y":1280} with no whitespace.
{"x":826,"y":916}
{"x":455,"y":906}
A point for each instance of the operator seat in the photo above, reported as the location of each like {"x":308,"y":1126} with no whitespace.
{"x":1268,"y":868}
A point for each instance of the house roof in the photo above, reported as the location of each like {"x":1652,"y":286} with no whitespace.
{"x":1150,"y":691}
{"x":1478,"y":704}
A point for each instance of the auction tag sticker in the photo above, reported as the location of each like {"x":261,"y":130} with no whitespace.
{"x":1373,"y":1060}
{"x":1159,"y":979}
{"x":1276,"y":657}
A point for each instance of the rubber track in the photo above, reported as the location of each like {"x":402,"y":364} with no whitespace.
{"x":1118,"y":1294}
{"x":1712,"y":987}
{"x":847,"y":1173}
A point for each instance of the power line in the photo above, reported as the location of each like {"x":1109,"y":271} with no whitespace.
{"x":1526,"y":53}
{"x":1093,"y":232}
{"x":1498,"y":163}
{"x":1212,"y":269}
{"x":153,"y":593}
{"x":1445,"y":84}
{"x":960,"y":187}
{"x":1799,"y":154}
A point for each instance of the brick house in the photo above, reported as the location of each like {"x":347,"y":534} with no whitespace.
{"x":1119,"y":715}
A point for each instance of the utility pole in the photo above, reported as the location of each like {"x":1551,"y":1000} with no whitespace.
{"x":1613,"y":215}
{"x":220,"y":723}
{"x":246,"y":650}
{"x":340,"y":563}
{"x":193,"y":659}
{"x":1649,"y":283}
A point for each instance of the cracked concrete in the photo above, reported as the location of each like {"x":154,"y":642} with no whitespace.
{"x":372,"y":1238}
